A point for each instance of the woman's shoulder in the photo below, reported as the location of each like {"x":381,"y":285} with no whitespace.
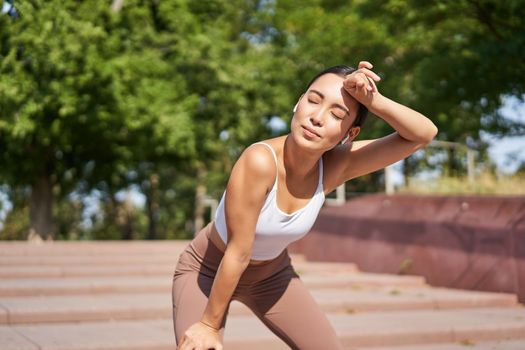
{"x":270,"y":147}
{"x":257,"y":156}
{"x":275,"y":142}
{"x":257,"y":163}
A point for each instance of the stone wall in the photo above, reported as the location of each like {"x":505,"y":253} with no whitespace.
{"x":467,"y":242}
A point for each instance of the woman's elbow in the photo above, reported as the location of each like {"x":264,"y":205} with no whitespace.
{"x":428,"y":135}
{"x":240,"y":256}
{"x":431,"y":134}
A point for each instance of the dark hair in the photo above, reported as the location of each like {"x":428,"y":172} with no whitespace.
{"x":343,"y":71}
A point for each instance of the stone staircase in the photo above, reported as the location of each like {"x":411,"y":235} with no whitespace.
{"x":117,"y":295}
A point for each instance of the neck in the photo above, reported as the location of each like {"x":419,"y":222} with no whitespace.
{"x":299,"y":162}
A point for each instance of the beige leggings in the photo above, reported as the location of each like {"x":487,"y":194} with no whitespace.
{"x":272,"y":290}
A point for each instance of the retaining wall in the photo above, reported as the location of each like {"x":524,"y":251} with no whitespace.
{"x":467,"y":242}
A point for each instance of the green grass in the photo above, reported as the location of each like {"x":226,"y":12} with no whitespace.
{"x":483,"y":184}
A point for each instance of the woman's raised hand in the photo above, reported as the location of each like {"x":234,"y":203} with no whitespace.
{"x":361,"y":83}
{"x":200,"y":336}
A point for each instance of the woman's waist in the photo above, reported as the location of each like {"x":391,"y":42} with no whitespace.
{"x":216,"y":240}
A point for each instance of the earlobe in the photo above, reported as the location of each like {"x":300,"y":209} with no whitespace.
{"x":355,"y":131}
{"x":295,"y":107}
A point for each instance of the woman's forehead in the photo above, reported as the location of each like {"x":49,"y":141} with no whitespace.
{"x":331,"y":87}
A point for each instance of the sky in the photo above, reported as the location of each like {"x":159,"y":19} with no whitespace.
{"x":509,"y":152}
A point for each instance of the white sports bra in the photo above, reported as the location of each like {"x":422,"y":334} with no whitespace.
{"x":276,"y":229}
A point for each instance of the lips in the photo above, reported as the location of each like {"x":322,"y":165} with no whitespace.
{"x":311,"y":131}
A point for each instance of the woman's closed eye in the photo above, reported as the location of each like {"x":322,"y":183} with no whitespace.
{"x":339,"y":115}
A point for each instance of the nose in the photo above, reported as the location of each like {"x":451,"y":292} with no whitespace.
{"x":317,"y":117}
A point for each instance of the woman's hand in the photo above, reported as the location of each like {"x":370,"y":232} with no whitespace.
{"x":361,"y":83}
{"x":200,"y":336}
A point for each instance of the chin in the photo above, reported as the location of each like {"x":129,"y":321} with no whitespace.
{"x":297,"y":135}
{"x":296,"y":132}
{"x":301,"y":141}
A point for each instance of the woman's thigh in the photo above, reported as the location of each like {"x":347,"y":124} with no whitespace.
{"x":192,"y":282}
{"x":190,"y":293}
{"x":292,"y":314}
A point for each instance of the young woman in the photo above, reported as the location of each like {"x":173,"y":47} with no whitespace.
{"x":273,"y":197}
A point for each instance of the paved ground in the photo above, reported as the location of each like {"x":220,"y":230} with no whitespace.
{"x":117,"y":295}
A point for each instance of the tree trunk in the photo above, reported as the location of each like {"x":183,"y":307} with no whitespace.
{"x":41,"y":210}
{"x":453,"y":163}
{"x":152,"y":206}
{"x":125,"y":217}
{"x":407,"y":171}
{"x":200,"y":195}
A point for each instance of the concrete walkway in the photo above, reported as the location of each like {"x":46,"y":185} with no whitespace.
{"x":117,"y":295}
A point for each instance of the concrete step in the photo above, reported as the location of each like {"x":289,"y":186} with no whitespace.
{"x":142,"y":266}
{"x":73,"y":248}
{"x":58,"y":271}
{"x":64,"y":261}
{"x":361,"y":279}
{"x":362,"y":330}
{"x":366,"y":299}
{"x":141,"y":284}
{"x":396,"y":328}
{"x":82,"y":308}
{"x":89,"y":260}
{"x":77,"y":285}
{"x":80,"y":253}
{"x":117,"y":295}
{"x":464,"y":344}
{"x":41,"y":309}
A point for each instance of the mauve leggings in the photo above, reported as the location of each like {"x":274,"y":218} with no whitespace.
{"x":272,"y":290}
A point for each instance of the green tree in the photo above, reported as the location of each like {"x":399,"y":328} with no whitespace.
{"x":453,"y":61}
{"x":458,"y":60}
{"x":77,"y":102}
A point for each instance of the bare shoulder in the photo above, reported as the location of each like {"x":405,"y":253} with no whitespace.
{"x":258,"y":159}
{"x":256,"y":165}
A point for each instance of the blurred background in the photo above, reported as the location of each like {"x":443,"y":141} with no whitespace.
{"x":122,"y":119}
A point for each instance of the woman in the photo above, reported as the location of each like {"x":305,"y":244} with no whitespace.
{"x":273,"y":196}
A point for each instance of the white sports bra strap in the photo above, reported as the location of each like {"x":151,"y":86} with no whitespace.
{"x":271,"y":149}
{"x":321,"y":171}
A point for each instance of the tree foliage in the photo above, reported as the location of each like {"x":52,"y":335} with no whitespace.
{"x":162,"y":96}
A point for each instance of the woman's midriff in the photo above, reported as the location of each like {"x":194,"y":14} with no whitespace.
{"x":219,"y":244}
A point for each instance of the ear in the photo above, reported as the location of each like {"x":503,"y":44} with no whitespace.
{"x":351,"y":135}
{"x":295,"y":107}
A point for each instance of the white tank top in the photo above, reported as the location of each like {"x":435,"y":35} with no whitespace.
{"x":276,"y":229}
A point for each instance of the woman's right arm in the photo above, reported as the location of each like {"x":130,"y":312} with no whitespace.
{"x":249,"y":182}
{"x":250,"y":179}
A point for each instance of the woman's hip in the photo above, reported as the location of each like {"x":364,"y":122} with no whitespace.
{"x":202,"y":256}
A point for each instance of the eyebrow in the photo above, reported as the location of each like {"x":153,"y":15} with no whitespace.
{"x":335,"y":104}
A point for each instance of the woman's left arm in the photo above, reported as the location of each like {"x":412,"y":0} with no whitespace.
{"x":413,"y":130}
{"x":409,"y":124}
